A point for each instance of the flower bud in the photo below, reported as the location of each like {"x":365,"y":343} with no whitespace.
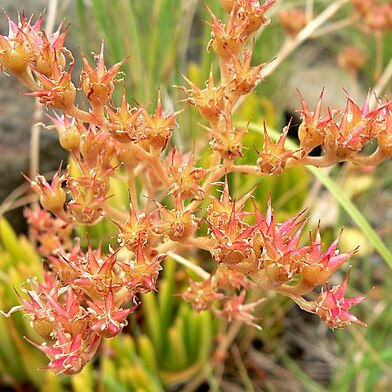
{"x":69,"y":138}
{"x":333,"y":308}
{"x":181,"y":227}
{"x":352,"y":59}
{"x":210,"y":101}
{"x":66,"y":97}
{"x":202,"y":294}
{"x":53,"y":201}
{"x":292,"y":20}
{"x":43,"y":327}
{"x":46,"y":59}
{"x":98,"y":83}
{"x":251,"y":15}
{"x":52,"y":197}
{"x":244,"y":77}
{"x":275,"y":273}
{"x":229,"y":143}
{"x":88,"y":194}
{"x":58,"y":91}
{"x":14,"y":59}
{"x":226,"y":40}
{"x":309,"y":137}
{"x":315,"y":275}
{"x":272,"y":159}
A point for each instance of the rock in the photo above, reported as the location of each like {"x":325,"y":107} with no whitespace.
{"x":16,"y":118}
{"x":313,"y":69}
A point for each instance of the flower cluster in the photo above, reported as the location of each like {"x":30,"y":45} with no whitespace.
{"x":373,"y":15}
{"x":343,"y":134}
{"x":88,"y":293}
{"x":266,"y":254}
{"x":86,"y":296}
{"x":292,"y":20}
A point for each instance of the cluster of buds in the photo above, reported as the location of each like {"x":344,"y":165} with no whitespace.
{"x":50,"y":233}
{"x":238,"y":78}
{"x":245,"y":17}
{"x":57,"y":316}
{"x":293,"y":20}
{"x":344,"y":133}
{"x":85,"y":297}
{"x":27,"y":46}
{"x":352,"y":59}
{"x":218,"y":294}
{"x":373,"y":15}
{"x":88,"y":294}
{"x":266,"y":255}
{"x":39,"y":61}
{"x":272,"y":247}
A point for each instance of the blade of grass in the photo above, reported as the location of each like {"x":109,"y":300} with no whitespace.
{"x":188,"y":332}
{"x":309,"y":384}
{"x":206,"y":336}
{"x":104,"y":15}
{"x":166,"y":290}
{"x":147,"y":353}
{"x":134,"y":48}
{"x":243,"y":372}
{"x":176,"y":357}
{"x":354,"y":213}
{"x":153,"y":321}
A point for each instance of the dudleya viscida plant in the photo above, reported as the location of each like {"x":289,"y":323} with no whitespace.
{"x":88,"y":294}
